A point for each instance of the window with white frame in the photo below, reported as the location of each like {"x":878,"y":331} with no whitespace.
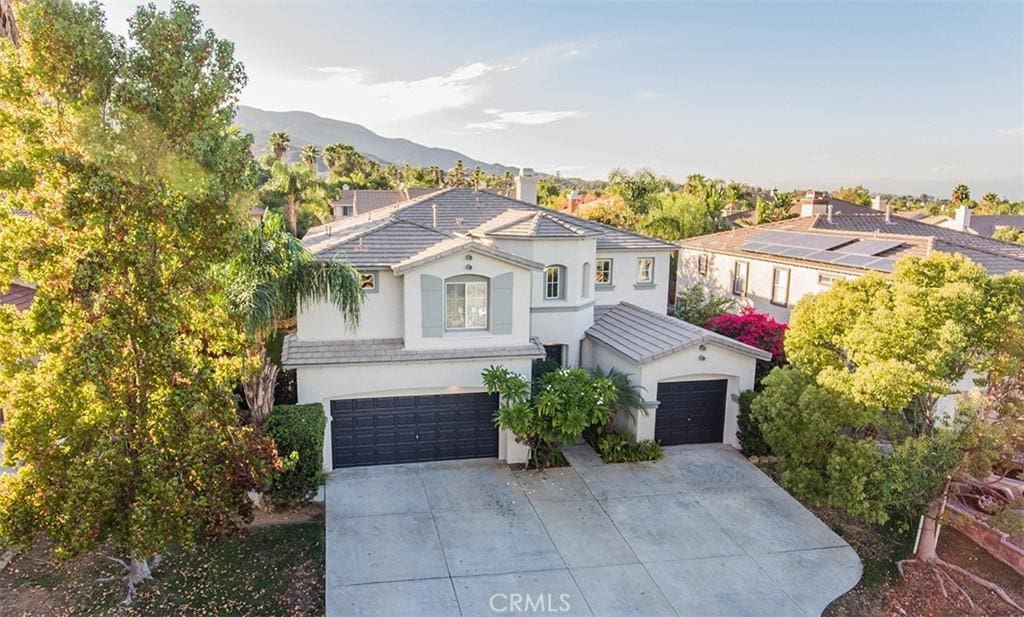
{"x":554,"y":282}
{"x":827,"y":280}
{"x":585,"y":281}
{"x":645,"y":270}
{"x":739,"y":278}
{"x":466,"y":303}
{"x":603,"y":272}
{"x":780,"y":286}
{"x":368,"y":281}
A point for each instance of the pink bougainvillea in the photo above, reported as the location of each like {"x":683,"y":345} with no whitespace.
{"x":753,"y":328}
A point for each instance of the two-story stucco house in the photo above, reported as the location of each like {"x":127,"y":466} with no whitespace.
{"x":771,"y":267}
{"x":459,"y":280}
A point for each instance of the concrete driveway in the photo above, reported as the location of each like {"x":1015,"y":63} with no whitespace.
{"x":701,"y":533}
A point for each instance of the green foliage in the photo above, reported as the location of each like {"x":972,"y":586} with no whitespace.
{"x":615,"y":448}
{"x":696,"y":304}
{"x":639,"y":190}
{"x":298,"y":432}
{"x":684,"y":215}
{"x":778,"y":207}
{"x":629,"y":397}
{"x":855,"y":194}
{"x":568,"y":402}
{"x":854,"y":415}
{"x":748,"y":432}
{"x":300,"y":193}
{"x":1009,"y":234}
{"x":117,"y":382}
{"x":961,"y":194}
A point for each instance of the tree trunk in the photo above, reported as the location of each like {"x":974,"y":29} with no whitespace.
{"x":259,"y":391}
{"x":926,"y":545}
{"x":293,"y":216}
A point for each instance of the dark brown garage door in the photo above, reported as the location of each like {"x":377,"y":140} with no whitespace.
{"x":690,"y":412}
{"x":407,"y":429}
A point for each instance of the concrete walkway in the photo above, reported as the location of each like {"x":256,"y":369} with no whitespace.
{"x":702,"y":532}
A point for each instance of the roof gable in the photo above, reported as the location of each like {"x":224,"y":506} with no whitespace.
{"x":458,"y":246}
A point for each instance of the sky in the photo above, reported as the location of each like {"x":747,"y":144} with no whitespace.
{"x":900,"y":97}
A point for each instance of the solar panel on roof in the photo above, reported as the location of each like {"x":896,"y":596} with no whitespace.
{"x":861,"y":261}
{"x":792,"y":238}
{"x":812,"y":254}
{"x":869,"y":247}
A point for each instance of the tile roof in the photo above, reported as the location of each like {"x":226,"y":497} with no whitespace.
{"x":365,"y":200}
{"x":454,"y":246}
{"x":19,"y":296}
{"x":644,"y":336}
{"x":373,"y":245}
{"x":986,"y":224}
{"x":297,"y":352}
{"x":452,"y":211}
{"x":916,"y":239}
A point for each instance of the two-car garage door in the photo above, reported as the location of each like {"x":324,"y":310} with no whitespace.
{"x":690,"y":412}
{"x":407,"y":429}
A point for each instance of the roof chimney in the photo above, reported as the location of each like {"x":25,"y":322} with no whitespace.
{"x":526,"y":186}
{"x":813,"y":202}
{"x":574,"y":201}
{"x":433,"y":209}
{"x":828,"y":213}
{"x":878,"y":203}
{"x":963,"y":219}
{"x":888,"y":214}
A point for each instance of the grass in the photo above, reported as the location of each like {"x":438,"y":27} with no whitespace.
{"x":274,"y":570}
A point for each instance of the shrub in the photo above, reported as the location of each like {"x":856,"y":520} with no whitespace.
{"x":757,"y":330}
{"x":749,"y":431}
{"x":616,"y":448}
{"x":567,"y":403}
{"x":298,"y":431}
{"x":696,"y":305}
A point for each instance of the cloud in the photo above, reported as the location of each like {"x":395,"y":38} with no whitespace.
{"x":650,"y":96}
{"x":944,"y":168}
{"x":501,"y":120}
{"x":1017,"y":130}
{"x":354,"y":95}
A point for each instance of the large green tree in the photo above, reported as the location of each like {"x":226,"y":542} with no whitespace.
{"x":119,"y":183}
{"x":856,"y":416}
{"x":639,"y":190}
{"x":684,"y":215}
{"x":271,"y":277}
{"x":279,"y":142}
{"x":859,"y":195}
{"x":302,"y":192}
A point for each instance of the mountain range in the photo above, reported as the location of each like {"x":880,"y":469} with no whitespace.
{"x":306,"y":128}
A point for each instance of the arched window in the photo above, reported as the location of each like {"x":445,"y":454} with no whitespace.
{"x":554,"y":282}
{"x":465,"y":302}
{"x":585,"y":292}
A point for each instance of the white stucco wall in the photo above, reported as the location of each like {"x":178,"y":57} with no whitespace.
{"x":686,"y":365}
{"x":624,"y":287}
{"x":456,"y":265}
{"x":324,"y":383}
{"x":563,"y":327}
{"x":802,"y":280}
{"x":379,"y":317}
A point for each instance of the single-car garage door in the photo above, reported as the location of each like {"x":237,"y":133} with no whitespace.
{"x":407,"y":429}
{"x":690,"y":412}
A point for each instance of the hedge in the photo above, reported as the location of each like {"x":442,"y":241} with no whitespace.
{"x":298,"y":431}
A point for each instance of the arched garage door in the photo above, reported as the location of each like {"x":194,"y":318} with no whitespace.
{"x":408,"y":429}
{"x":690,"y":412}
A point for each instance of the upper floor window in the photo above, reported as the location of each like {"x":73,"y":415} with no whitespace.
{"x":645,"y":270}
{"x":368,"y":281}
{"x":346,"y":210}
{"x":739,"y":278}
{"x":827,"y":280}
{"x":585,"y":281}
{"x":780,"y":286}
{"x":554,"y":283}
{"x":702,"y":264}
{"x":603,"y":272}
{"x":466,"y":303}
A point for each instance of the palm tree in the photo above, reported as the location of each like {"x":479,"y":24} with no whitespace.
{"x":961,"y":194}
{"x":279,"y":142}
{"x":272,"y":277}
{"x":308,"y":154}
{"x":301,"y":189}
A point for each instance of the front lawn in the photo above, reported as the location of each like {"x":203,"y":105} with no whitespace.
{"x":273,"y":570}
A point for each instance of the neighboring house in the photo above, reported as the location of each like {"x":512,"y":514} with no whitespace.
{"x":360,"y":201}
{"x":770,"y":267}
{"x":460,"y":280}
{"x":977,"y":224}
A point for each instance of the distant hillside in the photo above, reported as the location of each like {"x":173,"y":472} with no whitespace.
{"x":306,"y":128}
